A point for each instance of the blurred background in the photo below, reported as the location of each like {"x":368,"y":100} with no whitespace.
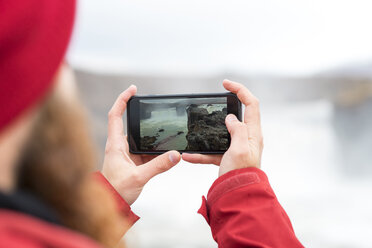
{"x":310,"y":64}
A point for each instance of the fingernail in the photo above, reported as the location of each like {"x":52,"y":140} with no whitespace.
{"x":231,"y":118}
{"x":173,"y":157}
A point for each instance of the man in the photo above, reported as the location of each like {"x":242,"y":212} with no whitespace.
{"x":48,"y":197}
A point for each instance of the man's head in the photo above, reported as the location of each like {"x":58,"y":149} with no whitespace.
{"x":34,"y":36}
{"x":45,"y":146}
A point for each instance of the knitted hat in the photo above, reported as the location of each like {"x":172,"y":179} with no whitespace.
{"x":34,"y":35}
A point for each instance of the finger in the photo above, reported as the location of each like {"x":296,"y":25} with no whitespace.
{"x":201,"y":158}
{"x":252,"y":110}
{"x":115,"y":115}
{"x":159,"y":165}
{"x":238,"y":132}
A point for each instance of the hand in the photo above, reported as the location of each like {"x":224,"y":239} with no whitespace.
{"x":246,"y":138}
{"x":128,"y":173}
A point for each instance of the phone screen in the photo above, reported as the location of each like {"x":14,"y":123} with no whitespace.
{"x":182,"y":123}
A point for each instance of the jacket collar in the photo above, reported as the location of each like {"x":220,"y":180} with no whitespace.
{"x":27,"y":203}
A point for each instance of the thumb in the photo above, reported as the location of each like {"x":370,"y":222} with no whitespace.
{"x":237,"y":130}
{"x":159,"y":164}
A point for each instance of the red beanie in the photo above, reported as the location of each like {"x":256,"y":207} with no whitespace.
{"x":34,"y":35}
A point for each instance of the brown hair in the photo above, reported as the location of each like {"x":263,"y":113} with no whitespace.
{"x":56,"y":166}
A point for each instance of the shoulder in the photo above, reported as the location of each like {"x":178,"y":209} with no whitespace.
{"x":21,"y":230}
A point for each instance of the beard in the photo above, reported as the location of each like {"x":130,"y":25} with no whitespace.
{"x":56,"y":167}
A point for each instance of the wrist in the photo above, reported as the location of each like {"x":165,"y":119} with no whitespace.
{"x":223,"y":170}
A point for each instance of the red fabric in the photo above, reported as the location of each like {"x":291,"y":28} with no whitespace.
{"x":123,"y":206}
{"x":243,"y":211}
{"x":18,"y":230}
{"x":34,"y":35}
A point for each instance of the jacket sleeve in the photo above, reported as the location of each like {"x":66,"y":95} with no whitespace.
{"x":243,"y":211}
{"x":123,"y":206}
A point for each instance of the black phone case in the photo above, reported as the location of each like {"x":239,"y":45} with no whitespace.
{"x":239,"y":116}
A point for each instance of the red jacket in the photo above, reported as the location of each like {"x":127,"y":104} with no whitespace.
{"x":242,"y":211}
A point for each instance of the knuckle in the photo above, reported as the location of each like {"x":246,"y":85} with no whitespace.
{"x":122,"y":94}
{"x":107,"y":151}
{"x":255,"y":101}
{"x":108,"y":148}
{"x":136,"y":177}
{"x":239,"y":153}
{"x":110,"y":114}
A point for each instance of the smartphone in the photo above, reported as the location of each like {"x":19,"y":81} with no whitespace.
{"x":193,"y":123}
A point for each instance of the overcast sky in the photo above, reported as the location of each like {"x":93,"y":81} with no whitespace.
{"x":294,"y":37}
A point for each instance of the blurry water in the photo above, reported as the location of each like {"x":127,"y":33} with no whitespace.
{"x":171,"y":123}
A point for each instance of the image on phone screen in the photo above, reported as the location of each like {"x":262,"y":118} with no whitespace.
{"x":183,"y":124}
